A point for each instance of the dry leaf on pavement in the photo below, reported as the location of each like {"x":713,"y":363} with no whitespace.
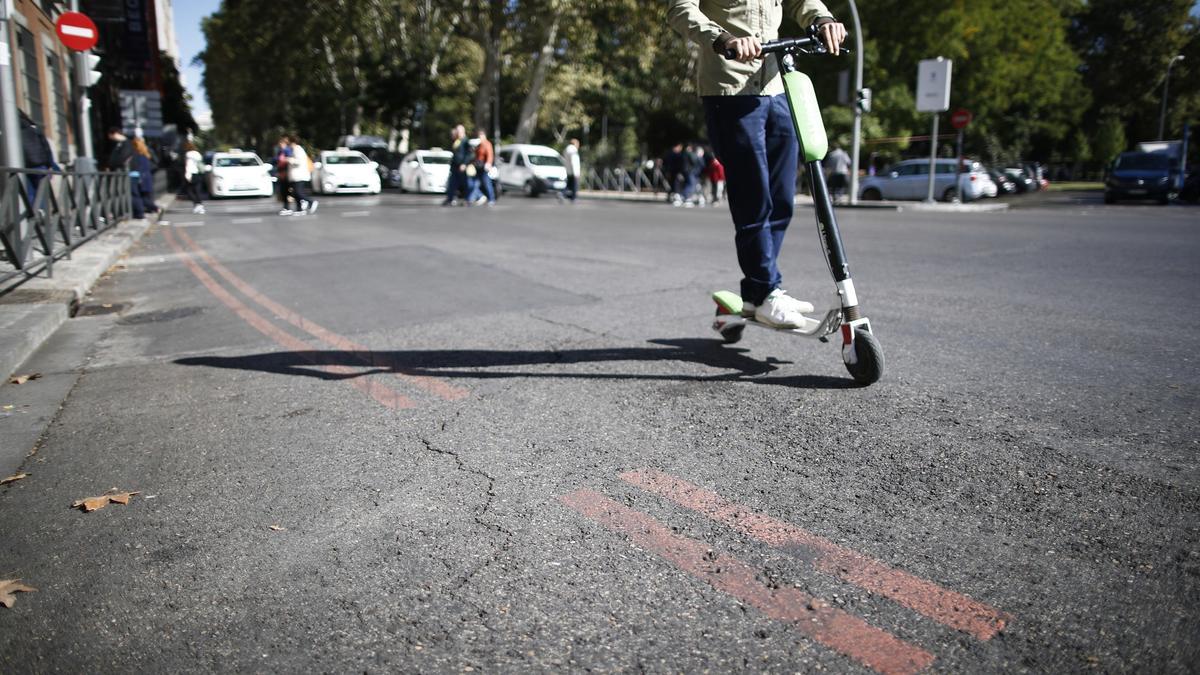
{"x":13,"y":479}
{"x":96,"y":503}
{"x":278,"y":528}
{"x":22,"y":379}
{"x":10,"y":586}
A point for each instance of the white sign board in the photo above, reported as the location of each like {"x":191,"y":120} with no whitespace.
{"x":933,"y":85}
{"x":141,"y":109}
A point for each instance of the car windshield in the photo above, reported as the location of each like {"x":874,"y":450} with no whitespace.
{"x":1141,"y":162}
{"x":237,"y":161}
{"x":545,"y":160}
{"x":345,"y":159}
{"x":436,"y":159}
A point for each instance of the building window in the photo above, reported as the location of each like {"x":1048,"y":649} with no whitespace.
{"x":33,"y":79}
{"x":60,"y":104}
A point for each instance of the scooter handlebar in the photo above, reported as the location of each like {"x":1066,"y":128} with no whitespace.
{"x":810,"y":44}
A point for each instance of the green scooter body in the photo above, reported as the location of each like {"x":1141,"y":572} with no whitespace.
{"x":806,"y":115}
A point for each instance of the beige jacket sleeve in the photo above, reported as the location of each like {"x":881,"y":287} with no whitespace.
{"x":687,"y":20}
{"x":806,"y":12}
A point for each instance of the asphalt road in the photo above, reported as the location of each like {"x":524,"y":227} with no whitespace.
{"x":397,"y":437}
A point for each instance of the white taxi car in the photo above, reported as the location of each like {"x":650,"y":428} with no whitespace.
{"x":425,"y":171}
{"x":237,"y":173}
{"x":345,"y":171}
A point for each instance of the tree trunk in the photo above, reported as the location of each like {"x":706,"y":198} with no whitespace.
{"x":527,"y":123}
{"x":490,"y":41}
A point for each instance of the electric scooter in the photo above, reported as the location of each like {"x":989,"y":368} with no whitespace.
{"x":860,"y":350}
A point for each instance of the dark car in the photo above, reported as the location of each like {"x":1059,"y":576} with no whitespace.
{"x":1191,"y":186}
{"x":1020,"y":180}
{"x":1004,"y":184}
{"x":1140,"y":175}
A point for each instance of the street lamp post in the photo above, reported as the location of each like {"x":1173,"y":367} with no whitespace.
{"x":10,"y":147}
{"x":1162,"y":118}
{"x":856,"y":139}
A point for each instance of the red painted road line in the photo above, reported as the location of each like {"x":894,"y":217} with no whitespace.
{"x":834,"y":628}
{"x":951,"y":609}
{"x":432,"y":385}
{"x":384,"y":395}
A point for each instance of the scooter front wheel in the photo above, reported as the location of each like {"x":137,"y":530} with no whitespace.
{"x":868,"y":358}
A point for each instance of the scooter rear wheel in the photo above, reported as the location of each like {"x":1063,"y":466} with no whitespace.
{"x":733,"y":334}
{"x":868,"y":367}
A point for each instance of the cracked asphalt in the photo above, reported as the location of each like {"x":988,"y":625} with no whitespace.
{"x":409,"y":441}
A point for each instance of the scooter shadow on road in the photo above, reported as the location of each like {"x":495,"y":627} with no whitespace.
{"x":474,"y":363}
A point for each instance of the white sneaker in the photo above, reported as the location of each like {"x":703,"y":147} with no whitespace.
{"x":286,"y":212}
{"x":197,"y":209}
{"x":781,"y":310}
{"x":312,"y":206}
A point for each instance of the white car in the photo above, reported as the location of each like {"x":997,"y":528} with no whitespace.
{"x":910,"y":180}
{"x":237,"y":173}
{"x":533,"y":169}
{"x":425,"y":171}
{"x":345,"y":170}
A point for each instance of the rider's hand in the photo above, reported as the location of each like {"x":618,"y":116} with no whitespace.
{"x":744,"y":49}
{"x":833,"y":34}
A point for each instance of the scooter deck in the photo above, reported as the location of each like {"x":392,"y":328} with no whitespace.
{"x":730,"y":306}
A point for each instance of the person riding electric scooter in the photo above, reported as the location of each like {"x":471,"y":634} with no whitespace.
{"x":762,"y":115}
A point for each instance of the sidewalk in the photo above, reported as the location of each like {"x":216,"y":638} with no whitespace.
{"x":31,"y":312}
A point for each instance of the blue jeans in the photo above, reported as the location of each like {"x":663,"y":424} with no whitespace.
{"x":754,"y":138}
{"x":488,"y":187}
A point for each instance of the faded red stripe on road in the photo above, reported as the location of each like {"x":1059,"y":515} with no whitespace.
{"x":834,"y":628}
{"x":384,"y":395}
{"x":432,"y":385}
{"x":951,"y":609}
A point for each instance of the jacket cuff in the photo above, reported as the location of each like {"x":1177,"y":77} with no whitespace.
{"x":722,"y":39}
{"x":822,"y":20}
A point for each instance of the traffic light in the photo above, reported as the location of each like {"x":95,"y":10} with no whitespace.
{"x":89,"y":71}
{"x":864,"y":100}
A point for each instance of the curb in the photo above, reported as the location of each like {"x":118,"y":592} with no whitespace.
{"x":32,"y":312}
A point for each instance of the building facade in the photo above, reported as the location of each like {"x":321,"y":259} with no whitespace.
{"x":43,"y":75}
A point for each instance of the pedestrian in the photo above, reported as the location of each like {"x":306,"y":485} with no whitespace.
{"x":574,"y":169}
{"x":121,"y":159}
{"x":192,"y":175}
{"x":462,"y":170}
{"x":299,"y":176}
{"x":672,"y":166}
{"x":280,"y":156}
{"x":143,"y":166}
{"x":715,"y":173}
{"x":38,"y":154}
{"x":837,"y":163}
{"x":750,"y":126}
{"x":485,"y":159}
{"x":689,"y":175}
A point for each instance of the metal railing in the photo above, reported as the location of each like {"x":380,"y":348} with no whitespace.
{"x":45,"y":215}
{"x":622,"y":180}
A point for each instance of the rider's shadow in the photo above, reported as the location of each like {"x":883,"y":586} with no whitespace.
{"x":492,"y":364}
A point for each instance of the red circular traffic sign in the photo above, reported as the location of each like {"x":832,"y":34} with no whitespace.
{"x":77,"y":31}
{"x":961,"y":118}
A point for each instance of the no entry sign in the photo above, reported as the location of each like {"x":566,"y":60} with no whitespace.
{"x":961,"y":118}
{"x":77,"y":31}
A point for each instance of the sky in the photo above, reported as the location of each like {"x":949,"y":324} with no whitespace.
{"x":188,"y":14}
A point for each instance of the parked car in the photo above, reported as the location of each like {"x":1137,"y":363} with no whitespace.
{"x":1022,"y":180}
{"x":376,"y":150}
{"x":910,"y":180}
{"x":345,"y":171}
{"x":1004,"y":184}
{"x":1140,"y":175}
{"x":533,"y":169}
{"x":237,"y":173}
{"x":425,"y":171}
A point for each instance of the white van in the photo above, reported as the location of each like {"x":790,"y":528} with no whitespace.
{"x":533,"y":169}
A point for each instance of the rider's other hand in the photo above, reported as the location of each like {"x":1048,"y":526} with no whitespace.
{"x":744,"y":49}
{"x":833,"y":34}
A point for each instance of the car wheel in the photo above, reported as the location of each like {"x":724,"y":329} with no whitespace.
{"x":872,"y":195}
{"x":950,"y":195}
{"x":1110,"y":198}
{"x":530,"y":189}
